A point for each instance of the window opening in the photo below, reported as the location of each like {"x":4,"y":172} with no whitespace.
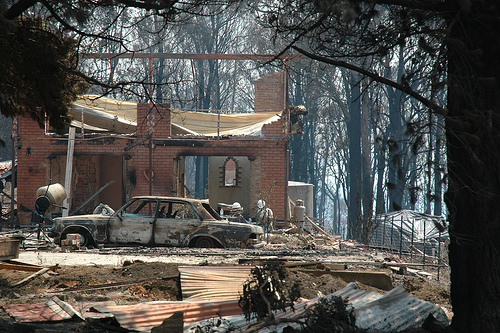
{"x":230,"y":172}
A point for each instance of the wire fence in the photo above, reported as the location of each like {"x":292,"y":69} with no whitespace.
{"x":420,"y":236}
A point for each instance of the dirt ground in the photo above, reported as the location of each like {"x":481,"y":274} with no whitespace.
{"x":136,"y":281}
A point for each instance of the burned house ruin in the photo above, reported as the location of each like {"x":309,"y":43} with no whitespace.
{"x":141,"y":149}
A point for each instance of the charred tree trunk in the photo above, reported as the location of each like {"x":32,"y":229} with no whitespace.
{"x":473,"y":136}
{"x":396,"y":171}
{"x":438,"y":167}
{"x":355,"y":160}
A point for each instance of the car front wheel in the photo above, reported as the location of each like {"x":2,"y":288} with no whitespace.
{"x":205,"y":242}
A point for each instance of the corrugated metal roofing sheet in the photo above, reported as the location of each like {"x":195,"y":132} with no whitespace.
{"x":393,"y":311}
{"x":38,"y":312}
{"x":144,"y":316}
{"x":396,"y":311}
{"x":212,"y":282}
{"x":53,"y":310}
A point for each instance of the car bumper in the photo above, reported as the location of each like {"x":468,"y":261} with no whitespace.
{"x":256,"y":245}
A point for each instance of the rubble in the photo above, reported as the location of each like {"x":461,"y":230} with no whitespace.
{"x":114,"y":274}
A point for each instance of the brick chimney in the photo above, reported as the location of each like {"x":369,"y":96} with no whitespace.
{"x":270,"y":93}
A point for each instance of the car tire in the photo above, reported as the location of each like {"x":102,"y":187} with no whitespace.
{"x":205,"y":242}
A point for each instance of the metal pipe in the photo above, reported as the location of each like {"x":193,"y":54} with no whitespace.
{"x":151,"y":166}
{"x":150,"y":79}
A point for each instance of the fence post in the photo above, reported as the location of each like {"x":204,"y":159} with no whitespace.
{"x":439,"y":254}
{"x":383,"y":233}
{"x":401,"y":238}
{"x":425,"y":223}
{"x":392,"y":231}
{"x":412,"y":238}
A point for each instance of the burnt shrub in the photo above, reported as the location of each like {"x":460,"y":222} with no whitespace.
{"x":266,"y":292}
{"x":330,"y":314}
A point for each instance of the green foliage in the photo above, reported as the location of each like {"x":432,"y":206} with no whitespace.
{"x":266,"y":292}
{"x":37,"y":77}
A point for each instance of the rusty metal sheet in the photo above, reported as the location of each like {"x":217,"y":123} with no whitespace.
{"x":144,"y":316}
{"x":212,"y":282}
{"x":53,"y":310}
{"x":38,"y":312}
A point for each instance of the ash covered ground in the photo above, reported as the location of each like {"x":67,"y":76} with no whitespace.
{"x":129,"y":275}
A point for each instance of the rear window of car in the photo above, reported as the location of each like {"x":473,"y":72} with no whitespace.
{"x":184,"y":211}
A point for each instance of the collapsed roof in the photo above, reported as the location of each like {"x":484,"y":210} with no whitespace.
{"x":103,"y":114}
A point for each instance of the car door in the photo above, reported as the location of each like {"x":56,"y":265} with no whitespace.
{"x":175,"y":222}
{"x":134,"y":222}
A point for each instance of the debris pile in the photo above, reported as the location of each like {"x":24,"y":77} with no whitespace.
{"x":116,"y":293}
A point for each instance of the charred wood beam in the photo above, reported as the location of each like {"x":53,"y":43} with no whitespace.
{"x":137,"y":142}
{"x":184,"y":143}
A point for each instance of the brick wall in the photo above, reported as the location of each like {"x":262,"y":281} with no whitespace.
{"x":31,"y":161}
{"x":269,"y":92}
{"x":154,"y":119}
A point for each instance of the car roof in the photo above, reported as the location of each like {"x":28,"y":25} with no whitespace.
{"x":155,"y":197}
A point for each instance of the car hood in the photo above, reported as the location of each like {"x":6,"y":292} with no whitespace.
{"x":91,"y":217}
{"x":254,"y":228}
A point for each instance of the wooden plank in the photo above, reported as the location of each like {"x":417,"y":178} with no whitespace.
{"x":316,"y":264}
{"x":260,"y":261}
{"x":374,"y":279}
{"x":336,"y":267}
{"x":108,"y":285}
{"x":29,"y":278}
{"x":19,"y":267}
{"x":383,"y":263}
{"x":317,"y":227}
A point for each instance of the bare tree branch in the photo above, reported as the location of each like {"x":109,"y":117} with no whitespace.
{"x":18,"y":8}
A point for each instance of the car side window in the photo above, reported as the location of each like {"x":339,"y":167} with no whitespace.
{"x":141,"y":207}
{"x":183,"y":211}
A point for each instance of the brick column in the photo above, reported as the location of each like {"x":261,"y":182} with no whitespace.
{"x":270,"y":93}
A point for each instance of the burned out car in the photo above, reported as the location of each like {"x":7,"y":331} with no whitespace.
{"x":160,"y":221}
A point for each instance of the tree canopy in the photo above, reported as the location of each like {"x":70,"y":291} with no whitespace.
{"x":40,"y":42}
{"x":36,"y":71}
